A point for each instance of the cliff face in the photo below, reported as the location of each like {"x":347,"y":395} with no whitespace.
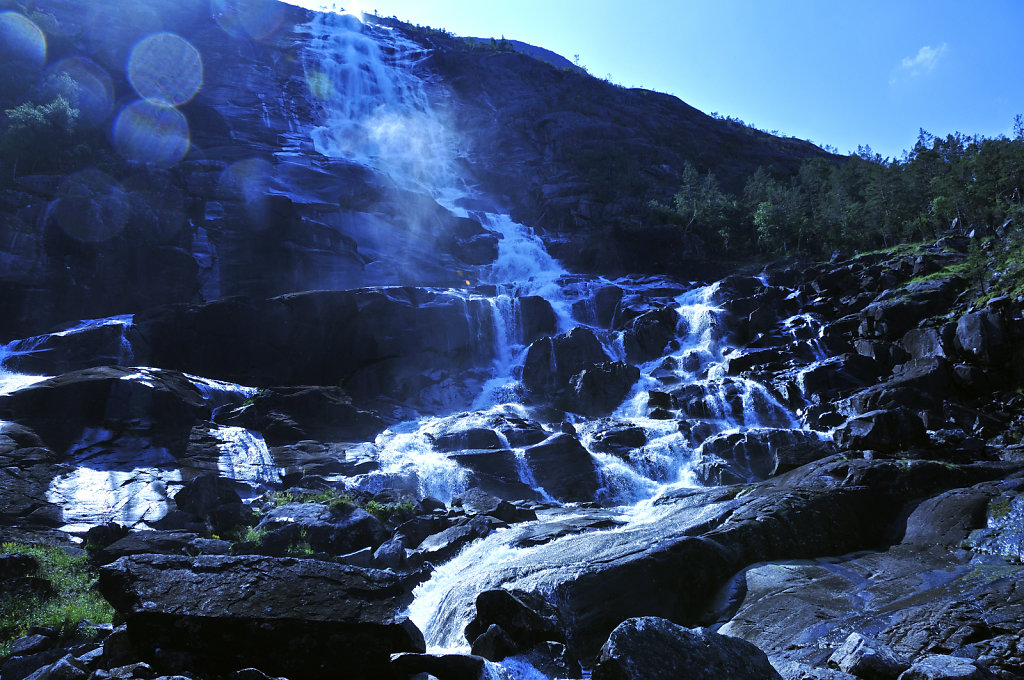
{"x":253,"y":208}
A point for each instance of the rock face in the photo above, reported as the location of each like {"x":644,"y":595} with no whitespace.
{"x":221,"y":614}
{"x":655,"y":649}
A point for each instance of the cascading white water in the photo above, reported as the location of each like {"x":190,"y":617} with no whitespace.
{"x":375,"y":108}
{"x":377,"y":112}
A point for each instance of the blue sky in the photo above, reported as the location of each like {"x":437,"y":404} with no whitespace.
{"x":838,"y":73}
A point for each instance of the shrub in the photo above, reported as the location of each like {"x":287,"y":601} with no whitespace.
{"x":74,"y":598}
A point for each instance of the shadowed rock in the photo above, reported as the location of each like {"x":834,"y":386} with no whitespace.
{"x":300,"y":618}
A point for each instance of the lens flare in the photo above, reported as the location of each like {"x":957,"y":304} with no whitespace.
{"x":91,"y":206}
{"x":166,"y":69}
{"x":22,"y":43}
{"x":85,"y":84}
{"x":148,"y":132}
{"x":254,"y":19}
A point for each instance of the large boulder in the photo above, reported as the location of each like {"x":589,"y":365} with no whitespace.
{"x":759,"y":453}
{"x":336,"y":530}
{"x":214,"y":615}
{"x":650,"y":648}
{"x":598,"y":389}
{"x":646,"y":336}
{"x":888,"y":431}
{"x":162,"y":404}
{"x":289,"y":414}
{"x":563,"y":468}
{"x":551,"y":362}
{"x":981,"y":337}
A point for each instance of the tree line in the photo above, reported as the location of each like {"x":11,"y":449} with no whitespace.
{"x":863,"y":202}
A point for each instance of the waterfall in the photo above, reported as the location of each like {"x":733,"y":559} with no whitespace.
{"x":376,"y":110}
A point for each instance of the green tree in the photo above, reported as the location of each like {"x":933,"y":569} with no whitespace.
{"x":37,"y":135}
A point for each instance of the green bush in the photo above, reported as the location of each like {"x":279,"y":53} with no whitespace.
{"x":74,"y":601}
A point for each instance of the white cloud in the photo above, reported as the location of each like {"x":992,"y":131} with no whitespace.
{"x":925,"y":61}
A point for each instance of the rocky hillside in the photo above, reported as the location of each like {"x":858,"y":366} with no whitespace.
{"x":92,"y":230}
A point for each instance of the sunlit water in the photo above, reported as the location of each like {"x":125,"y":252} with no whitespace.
{"x":377,"y":111}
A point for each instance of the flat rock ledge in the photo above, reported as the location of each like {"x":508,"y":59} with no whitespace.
{"x":298,"y":618}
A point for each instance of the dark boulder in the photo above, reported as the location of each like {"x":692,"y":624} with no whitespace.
{"x":646,"y":336}
{"x":440,"y":666}
{"x":445,"y":545}
{"x":868,"y":659}
{"x":563,"y":468}
{"x":536,"y":318}
{"x":620,"y":439}
{"x":470,"y":438}
{"x":887,"y":431}
{"x":524,"y":620}
{"x":650,"y":648}
{"x":288,"y":414}
{"x":163,"y":404}
{"x":71,"y":350}
{"x":551,"y":362}
{"x":981,"y":337}
{"x":760,"y":453}
{"x":334,"y":530}
{"x":927,"y":342}
{"x":600,"y":388}
{"x":214,"y":615}
{"x":841,"y":374}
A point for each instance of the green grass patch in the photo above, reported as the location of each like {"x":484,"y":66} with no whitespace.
{"x":75,"y":599}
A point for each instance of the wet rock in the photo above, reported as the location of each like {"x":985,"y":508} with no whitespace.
{"x":72,"y":350}
{"x":600,"y":388}
{"x":619,"y":440}
{"x":163,"y":404}
{"x":981,"y":337}
{"x":946,"y":667}
{"x":761,"y":453}
{"x":496,"y":473}
{"x":290,"y":414}
{"x":867,"y":659}
{"x":956,"y":607}
{"x":441,"y":666}
{"x":551,"y":362}
{"x":650,"y":648}
{"x":1002,"y":531}
{"x":646,"y":335}
{"x":494,"y":644}
{"x":299,"y":618}
{"x":887,"y":431}
{"x":563,"y":468}
{"x":523,"y":620}
{"x":470,"y":438}
{"x":537,"y":319}
{"x":335,"y":530}
{"x":445,"y":545}
{"x":390,"y":555}
{"x":482,"y":503}
{"x":844,"y":373}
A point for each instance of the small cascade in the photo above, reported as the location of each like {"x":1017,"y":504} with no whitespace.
{"x":375,"y":107}
{"x":12,"y":381}
{"x":244,"y":457}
